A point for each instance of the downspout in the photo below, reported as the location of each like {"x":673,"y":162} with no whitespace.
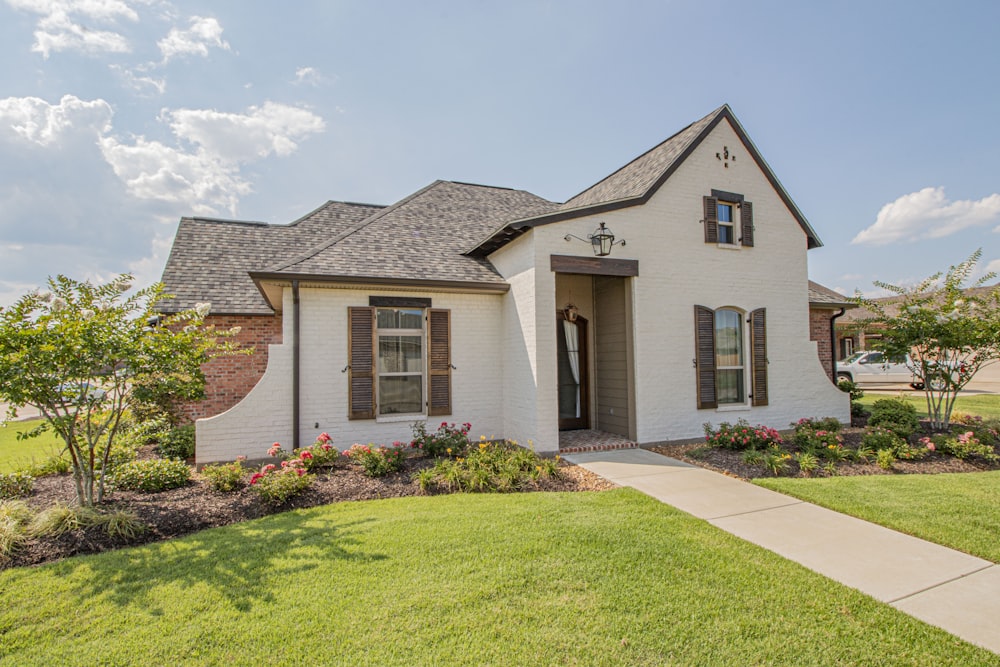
{"x":295,"y":364}
{"x":833,"y":344}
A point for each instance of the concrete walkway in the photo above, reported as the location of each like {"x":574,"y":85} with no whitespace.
{"x":947,"y":588}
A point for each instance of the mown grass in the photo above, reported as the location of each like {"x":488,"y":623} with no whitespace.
{"x":15,"y":454}
{"x":959,"y":510}
{"x":984,"y":405}
{"x":613,"y":578}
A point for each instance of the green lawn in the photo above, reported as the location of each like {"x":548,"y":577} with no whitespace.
{"x":960,"y":510}
{"x":984,"y":405}
{"x":16,"y":453}
{"x":613,"y":578}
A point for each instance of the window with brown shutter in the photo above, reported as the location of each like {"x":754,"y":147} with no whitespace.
{"x":361,"y":363}
{"x":746,"y":224}
{"x":720,"y":210}
{"x":711,"y":220}
{"x":758,"y":355}
{"x":704,"y":337}
{"x":439,"y":362}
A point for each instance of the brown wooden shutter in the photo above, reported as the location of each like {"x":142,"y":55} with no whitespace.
{"x":746,"y":222}
{"x":704,"y":341}
{"x":711,"y":220}
{"x":758,"y":355}
{"x":439,"y":362}
{"x":361,"y":363}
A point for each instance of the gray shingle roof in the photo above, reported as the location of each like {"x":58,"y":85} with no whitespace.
{"x":421,"y":237}
{"x":210,"y":258}
{"x":824,"y":296}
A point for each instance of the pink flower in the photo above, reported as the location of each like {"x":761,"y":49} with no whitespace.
{"x":397,"y":443}
{"x":241,"y":458}
{"x":275,"y":449}
{"x":324,"y":437}
{"x":305,"y":456}
{"x":256,"y":477}
{"x":930,"y":446}
{"x":300,"y":471}
{"x":284,"y":464}
{"x":268,"y":468}
{"x":325,"y":447}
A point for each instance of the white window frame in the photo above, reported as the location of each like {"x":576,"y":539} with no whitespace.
{"x":731,"y":224}
{"x":379,"y":374}
{"x":742,"y":367}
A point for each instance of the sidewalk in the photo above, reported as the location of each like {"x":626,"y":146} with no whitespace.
{"x":947,"y":588}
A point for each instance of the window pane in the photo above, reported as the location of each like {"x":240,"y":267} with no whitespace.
{"x":726,"y":234}
{"x":729,"y":386}
{"x":400,"y":354}
{"x":400,"y":318}
{"x":728,"y":338}
{"x":725,"y":212}
{"x":400,"y":394}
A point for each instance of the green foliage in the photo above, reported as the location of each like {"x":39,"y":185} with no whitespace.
{"x":151,"y":475}
{"x":858,"y":409}
{"x":986,"y":431}
{"x":61,"y":518}
{"x":225,"y":477}
{"x":489,"y":467}
{"x":897,"y":415}
{"x":53,"y":465}
{"x":885,"y":458}
{"x":818,"y":436}
{"x":880,"y":438}
{"x":776,"y":460}
{"x":177,"y":443}
{"x":753,"y":457}
{"x":741,"y":436}
{"x":320,"y":454}
{"x":448,"y":440}
{"x":121,"y":523}
{"x":16,"y":484}
{"x":15,"y":516}
{"x":808,"y":463}
{"x":79,"y":351}
{"x":949,"y":332}
{"x":966,"y":444}
{"x":277,"y":485}
{"x":852,"y":388}
{"x":377,"y":460}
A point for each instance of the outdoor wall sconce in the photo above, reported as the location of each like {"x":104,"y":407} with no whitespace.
{"x":570,"y":312}
{"x":602,"y":240}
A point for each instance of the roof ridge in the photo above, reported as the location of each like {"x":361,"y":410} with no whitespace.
{"x":328,"y":202}
{"x":353,"y":230}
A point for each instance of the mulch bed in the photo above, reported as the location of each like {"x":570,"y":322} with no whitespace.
{"x":730,"y":462}
{"x":195,"y":507}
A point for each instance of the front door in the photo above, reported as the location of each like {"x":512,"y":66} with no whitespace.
{"x":571,"y":347}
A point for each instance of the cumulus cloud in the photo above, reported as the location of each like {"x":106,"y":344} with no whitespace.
{"x":69,"y":25}
{"x":208,"y":176}
{"x":35,"y":120}
{"x":203,"y":33}
{"x":927,"y":214}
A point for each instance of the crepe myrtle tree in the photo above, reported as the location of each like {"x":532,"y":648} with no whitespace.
{"x":949,"y":332}
{"x":76,"y":351}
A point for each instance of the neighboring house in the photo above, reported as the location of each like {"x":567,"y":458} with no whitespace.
{"x":467,"y":303}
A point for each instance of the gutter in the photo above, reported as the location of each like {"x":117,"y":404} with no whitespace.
{"x":295,"y":364}
{"x":833,"y":343}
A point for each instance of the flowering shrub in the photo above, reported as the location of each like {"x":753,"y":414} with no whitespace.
{"x":320,"y":454}
{"x":967,"y":444}
{"x":881,"y":438}
{"x":489,"y":467}
{"x":741,"y":436}
{"x":831,"y":424}
{"x":448,"y":440}
{"x":151,"y":475}
{"x":377,"y":461}
{"x":16,"y":484}
{"x":276,"y":484}
{"x":225,"y":477}
{"x":986,"y":431}
{"x":809,"y":437}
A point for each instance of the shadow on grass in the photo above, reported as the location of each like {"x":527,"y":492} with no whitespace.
{"x":238,"y":562}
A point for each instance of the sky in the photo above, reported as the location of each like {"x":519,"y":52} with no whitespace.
{"x":118,"y":117}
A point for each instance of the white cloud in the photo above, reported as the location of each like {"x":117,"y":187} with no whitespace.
{"x":309,"y":76}
{"x":927,"y":214}
{"x":137,"y":80}
{"x":68,"y":25}
{"x":149,"y":269}
{"x":37,"y":121}
{"x":196,"y":40}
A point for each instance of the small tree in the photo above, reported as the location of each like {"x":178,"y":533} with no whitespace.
{"x":949,"y":332}
{"x":76,"y":352}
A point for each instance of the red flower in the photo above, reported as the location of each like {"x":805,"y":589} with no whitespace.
{"x":324,"y":437}
{"x":305,"y":456}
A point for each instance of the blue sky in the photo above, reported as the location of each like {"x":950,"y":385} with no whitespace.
{"x":117,"y":117}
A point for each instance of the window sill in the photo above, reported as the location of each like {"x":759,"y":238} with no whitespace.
{"x":736,"y":407}
{"x":395,"y":419}
{"x":729,"y":246}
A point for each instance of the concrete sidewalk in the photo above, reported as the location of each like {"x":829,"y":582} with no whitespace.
{"x":947,"y":588}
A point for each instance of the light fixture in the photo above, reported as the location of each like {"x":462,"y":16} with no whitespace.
{"x":570,"y":312}
{"x":602,"y":240}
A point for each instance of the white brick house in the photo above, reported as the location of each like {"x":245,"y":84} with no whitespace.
{"x":474,"y":304}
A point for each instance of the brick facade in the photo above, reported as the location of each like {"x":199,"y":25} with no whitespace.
{"x":819,"y":331}
{"x":229,"y":379}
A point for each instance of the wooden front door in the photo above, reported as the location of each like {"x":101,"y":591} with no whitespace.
{"x":571,"y":349}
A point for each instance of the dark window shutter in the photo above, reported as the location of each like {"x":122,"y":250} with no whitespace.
{"x":704,"y":341}
{"x":361,"y":363}
{"x":711,"y":220}
{"x":439,"y":362}
{"x":746,"y":222}
{"x":758,"y":355}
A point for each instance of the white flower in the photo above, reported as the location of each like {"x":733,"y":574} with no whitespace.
{"x":86,"y":313}
{"x":45,"y":296}
{"x":202,"y":309}
{"x":58,"y":304}
{"x":959,"y":303}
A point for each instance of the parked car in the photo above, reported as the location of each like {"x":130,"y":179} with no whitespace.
{"x":876,"y":368}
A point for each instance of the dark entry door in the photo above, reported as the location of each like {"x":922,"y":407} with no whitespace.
{"x":571,"y":347}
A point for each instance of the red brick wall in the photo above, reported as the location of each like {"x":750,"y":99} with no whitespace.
{"x":819,"y":331}
{"x":229,"y":379}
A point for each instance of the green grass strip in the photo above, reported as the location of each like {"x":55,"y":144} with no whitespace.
{"x":16,"y":454}
{"x":613,"y":578}
{"x":984,"y":405}
{"x":958,"y":510}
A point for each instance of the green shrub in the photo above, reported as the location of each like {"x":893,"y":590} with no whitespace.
{"x":320,"y":454}
{"x":489,"y":467}
{"x":830,"y":424}
{"x":986,"y":431}
{"x":53,"y":465}
{"x":885,"y":458}
{"x":225,"y":477}
{"x":377,"y":461}
{"x":880,"y":438}
{"x":808,"y":463}
{"x":753,"y":457}
{"x":816,"y":437}
{"x":776,"y":460}
{"x":448,"y":440}
{"x":151,"y":475}
{"x":14,"y":519}
{"x":741,"y":436}
{"x":16,"y":484}
{"x":60,"y":518}
{"x":121,"y":523}
{"x":177,"y":443}
{"x":852,"y":388}
{"x":276,"y":485}
{"x":966,"y":444}
{"x":858,"y":409}
{"x":895,"y":414}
